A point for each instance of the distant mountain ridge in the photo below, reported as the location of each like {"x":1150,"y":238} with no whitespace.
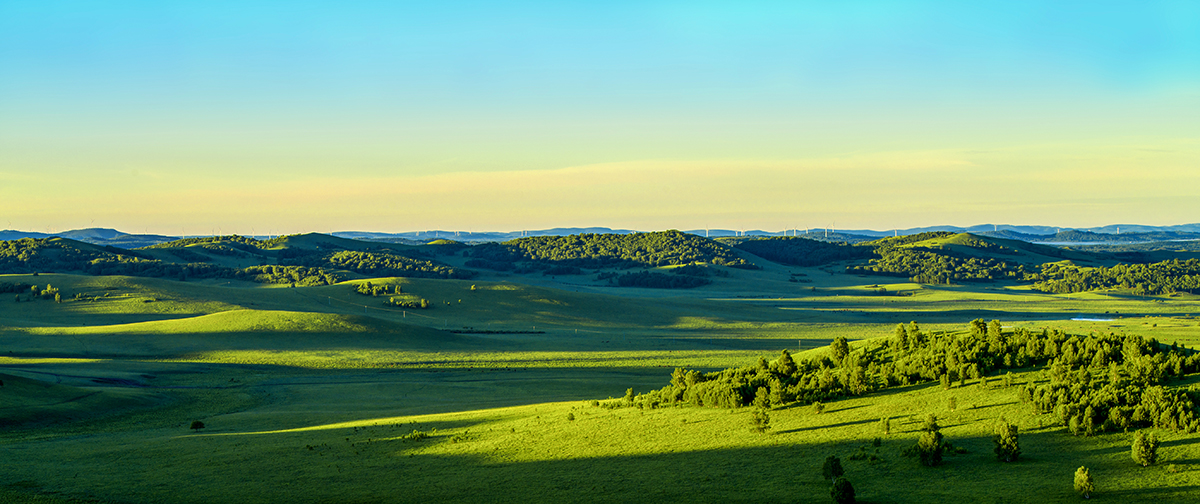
{"x":1111,"y":234}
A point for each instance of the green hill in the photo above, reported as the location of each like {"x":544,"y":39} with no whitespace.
{"x":593,"y":251}
{"x":799,"y":251}
{"x":29,"y":402}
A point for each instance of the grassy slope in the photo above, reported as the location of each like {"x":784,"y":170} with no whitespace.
{"x":258,"y":362}
{"x":535,"y":454}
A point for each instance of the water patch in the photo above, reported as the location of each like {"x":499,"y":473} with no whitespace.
{"x":1089,"y":319}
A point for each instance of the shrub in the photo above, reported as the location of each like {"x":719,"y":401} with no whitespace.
{"x":761,"y":420}
{"x":842,"y":491}
{"x":930,"y":448}
{"x":818,"y":407}
{"x":415,"y":435}
{"x":197,"y":425}
{"x":1007,"y":446}
{"x":832,"y":468}
{"x":1145,"y":448}
{"x":1083,"y":482}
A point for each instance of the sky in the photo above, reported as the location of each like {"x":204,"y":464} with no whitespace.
{"x":292,"y":116}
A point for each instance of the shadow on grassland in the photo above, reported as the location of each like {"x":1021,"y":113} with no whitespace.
{"x":354,"y":466}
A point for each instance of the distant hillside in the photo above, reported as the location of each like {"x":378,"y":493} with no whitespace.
{"x":800,"y":251}
{"x":1071,"y":236}
{"x":945,"y":257}
{"x":664,"y":248}
{"x":1165,"y":277}
{"x":300,"y":259}
{"x":95,"y":236}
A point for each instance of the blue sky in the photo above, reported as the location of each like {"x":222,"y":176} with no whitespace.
{"x":474,"y":115}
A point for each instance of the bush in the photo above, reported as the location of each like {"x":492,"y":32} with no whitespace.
{"x":1083,"y":482}
{"x":197,"y":425}
{"x":842,"y":491}
{"x":832,"y":468}
{"x":1007,"y":447}
{"x":761,"y":420}
{"x":930,"y":448}
{"x":1145,"y":449}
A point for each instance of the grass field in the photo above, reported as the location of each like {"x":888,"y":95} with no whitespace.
{"x":312,"y":394}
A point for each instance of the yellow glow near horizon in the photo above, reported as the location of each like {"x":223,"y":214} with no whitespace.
{"x":1068,"y":185}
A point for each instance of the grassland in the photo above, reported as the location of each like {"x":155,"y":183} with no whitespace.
{"x":310,"y":394}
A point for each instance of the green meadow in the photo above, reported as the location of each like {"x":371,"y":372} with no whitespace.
{"x":502,"y":391}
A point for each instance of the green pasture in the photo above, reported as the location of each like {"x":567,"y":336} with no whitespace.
{"x":276,"y":450}
{"x":308,"y":393}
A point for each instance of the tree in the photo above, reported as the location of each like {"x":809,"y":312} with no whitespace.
{"x":761,"y":420}
{"x":818,"y":407}
{"x":930,"y":448}
{"x":839,"y":349}
{"x":994,"y":329}
{"x":1145,"y":448}
{"x":1007,"y":446}
{"x":197,"y":425}
{"x":785,"y":364}
{"x":832,"y":469}
{"x":901,"y":338}
{"x":842,"y":491}
{"x":1083,"y":482}
{"x":762,"y":398}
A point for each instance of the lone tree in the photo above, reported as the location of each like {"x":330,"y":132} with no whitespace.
{"x":930,"y":445}
{"x":197,"y":425}
{"x":1083,"y":482}
{"x":1145,"y":448}
{"x":1007,"y":447}
{"x":761,"y":420}
{"x":842,"y":491}
{"x":839,"y":349}
{"x":832,"y":469}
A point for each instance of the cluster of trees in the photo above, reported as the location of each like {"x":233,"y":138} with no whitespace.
{"x":665,"y":248}
{"x":1109,"y":383}
{"x":29,"y":255}
{"x":799,"y":251}
{"x":938,"y":267}
{"x":840,"y":488}
{"x":32,"y":291}
{"x":408,"y":302}
{"x":381,"y":264}
{"x":396,"y":294}
{"x":241,"y":242}
{"x":1096,"y":382}
{"x":11,"y":288}
{"x":370,"y":289}
{"x":661,"y":280}
{"x":301,"y":276}
{"x":302,"y":267}
{"x":1164,"y":277}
